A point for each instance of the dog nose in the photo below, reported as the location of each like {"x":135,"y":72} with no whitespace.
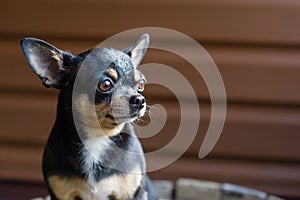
{"x":137,"y":101}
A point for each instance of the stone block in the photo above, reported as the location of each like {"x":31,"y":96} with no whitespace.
{"x":191,"y":189}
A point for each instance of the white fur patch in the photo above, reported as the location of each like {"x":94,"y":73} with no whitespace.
{"x":93,"y":151}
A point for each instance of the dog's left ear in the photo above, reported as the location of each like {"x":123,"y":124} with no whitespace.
{"x":48,"y":62}
{"x":138,"y":50}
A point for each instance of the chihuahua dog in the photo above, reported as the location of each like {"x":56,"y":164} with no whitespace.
{"x":92,"y":152}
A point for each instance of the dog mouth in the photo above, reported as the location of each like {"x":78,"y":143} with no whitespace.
{"x":120,"y":119}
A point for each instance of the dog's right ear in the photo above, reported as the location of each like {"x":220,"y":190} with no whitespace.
{"x":47,"y":61}
{"x":138,"y":50}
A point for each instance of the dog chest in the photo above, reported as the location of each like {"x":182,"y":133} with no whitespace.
{"x":120,"y":187}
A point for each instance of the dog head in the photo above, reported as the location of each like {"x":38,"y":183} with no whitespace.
{"x":108,"y":83}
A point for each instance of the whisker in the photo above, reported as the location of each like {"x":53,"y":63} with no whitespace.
{"x":138,"y":120}
{"x":149,"y":113}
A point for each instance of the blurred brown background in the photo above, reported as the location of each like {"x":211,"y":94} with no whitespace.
{"x":255,"y":44}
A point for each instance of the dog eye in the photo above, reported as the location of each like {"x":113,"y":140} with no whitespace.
{"x":105,"y":85}
{"x":141,"y":87}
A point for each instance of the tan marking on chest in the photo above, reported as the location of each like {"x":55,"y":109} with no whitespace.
{"x":68,"y":189}
{"x":122,"y":187}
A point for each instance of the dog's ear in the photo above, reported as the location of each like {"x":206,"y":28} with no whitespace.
{"x":47,"y":62}
{"x":138,"y":50}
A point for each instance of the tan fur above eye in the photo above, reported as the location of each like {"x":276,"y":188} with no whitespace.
{"x":112,"y":74}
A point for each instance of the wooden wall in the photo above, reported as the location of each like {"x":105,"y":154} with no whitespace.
{"x":255,"y":44}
